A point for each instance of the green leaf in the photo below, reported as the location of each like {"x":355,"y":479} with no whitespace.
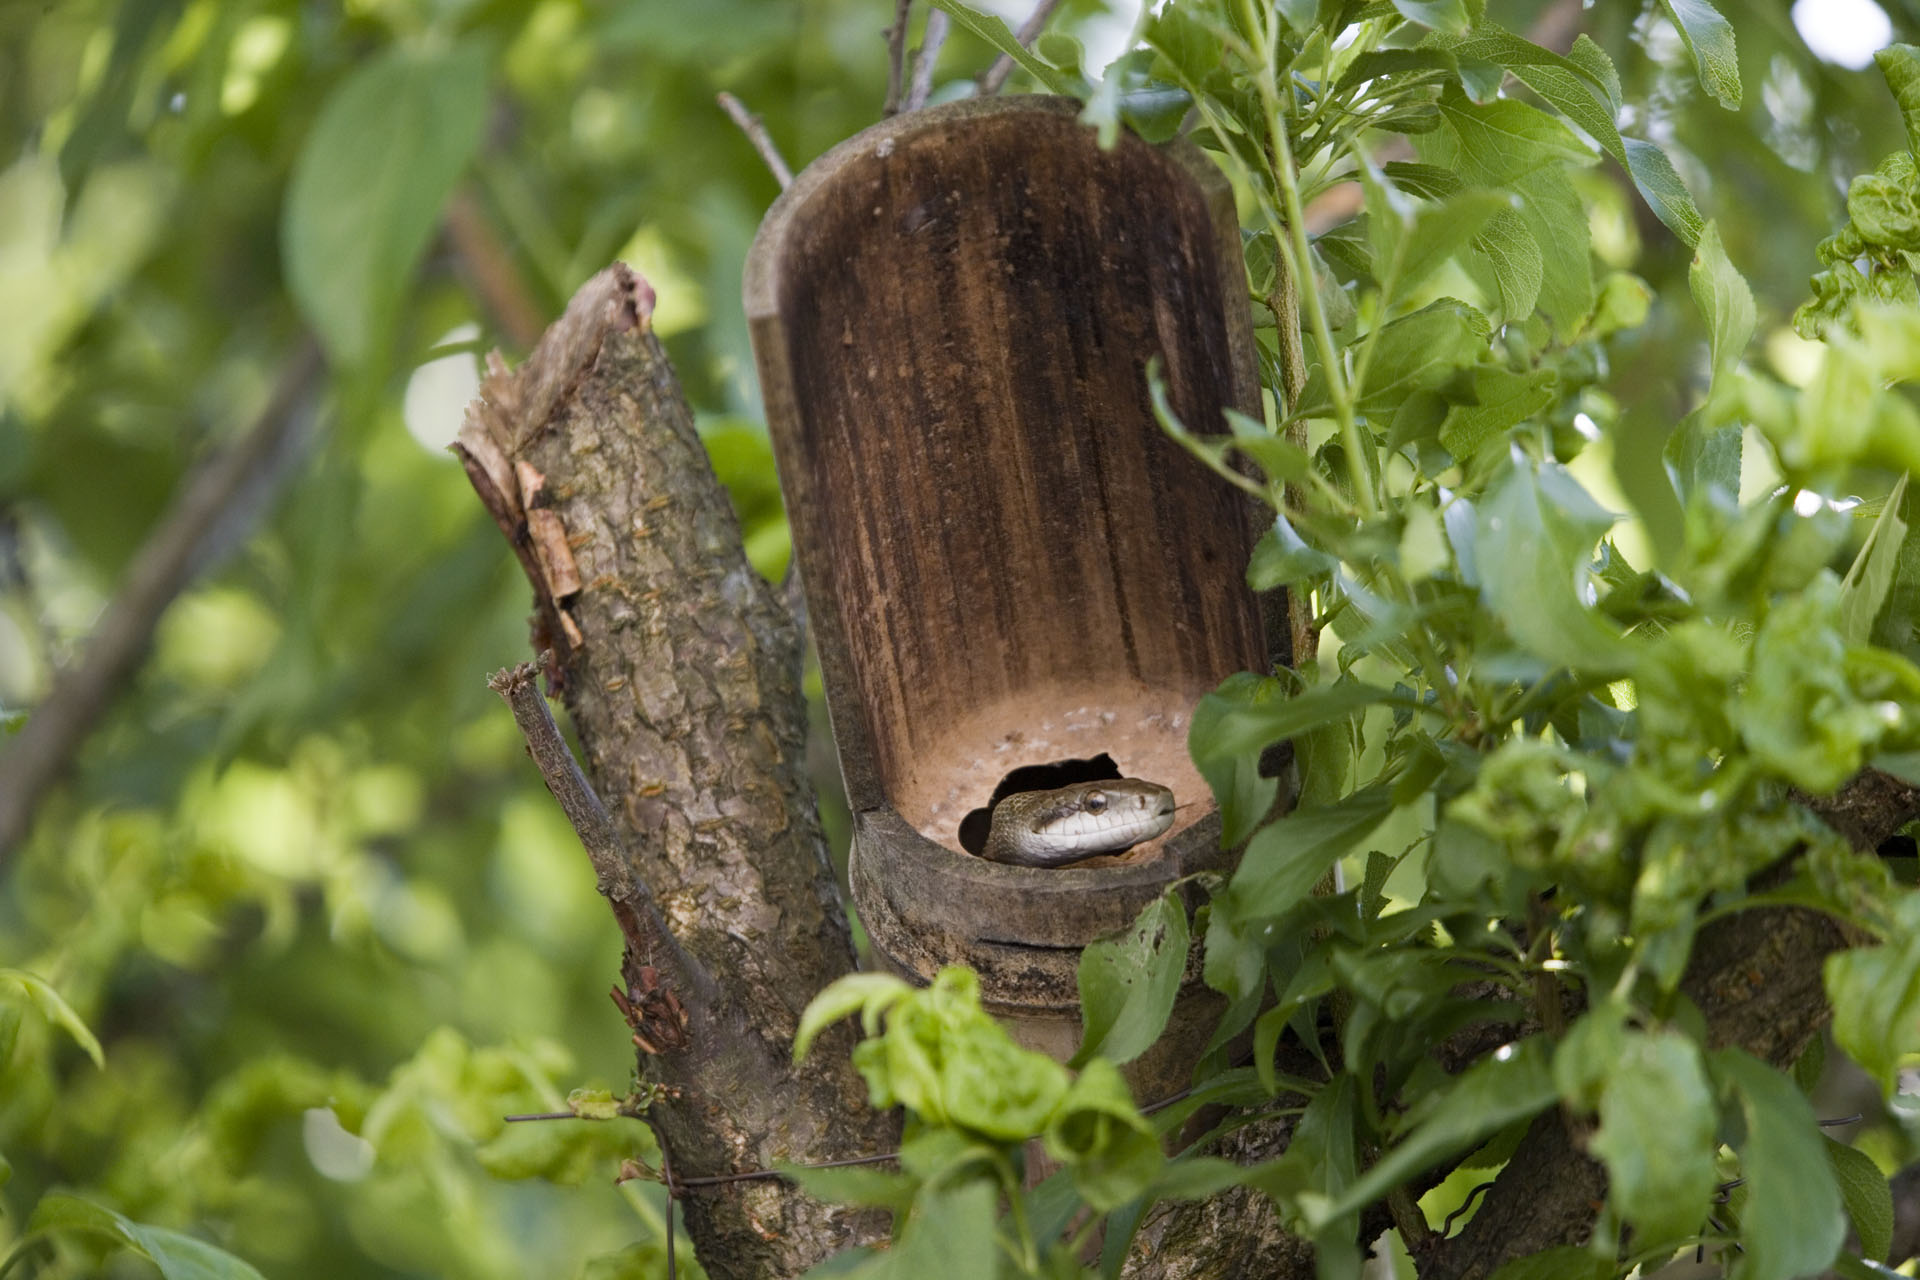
{"x":1285,"y":859}
{"x":1514,"y":260}
{"x":1128,"y":982}
{"x":368,"y":185}
{"x":1420,"y":352}
{"x":1242,"y":795}
{"x":1501,"y":400}
{"x":179,"y":1257}
{"x":870,"y":994}
{"x":1660,"y":186}
{"x":1870,"y":579}
{"x":1900,"y":65}
{"x":1724,"y":299}
{"x":1514,"y":1083}
{"x":1439,"y":231}
{"x":1709,"y":37}
{"x":1281,"y":559}
{"x":1100,"y":1135}
{"x":1875,"y":993}
{"x":1245,"y":726}
{"x":1657,"y":1121}
{"x":1441,"y":15}
{"x":950,"y":1234}
{"x":1534,"y":543}
{"x":56,"y":1010}
{"x":1867,"y":1196}
{"x":1792,"y":1223}
{"x":986,"y":27}
{"x":1564,"y":1262}
{"x":1568,"y":85}
{"x":1195,"y":1178}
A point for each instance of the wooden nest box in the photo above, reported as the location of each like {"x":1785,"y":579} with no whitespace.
{"x":1007,"y":562}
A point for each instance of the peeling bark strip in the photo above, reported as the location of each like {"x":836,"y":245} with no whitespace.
{"x":680,"y":669}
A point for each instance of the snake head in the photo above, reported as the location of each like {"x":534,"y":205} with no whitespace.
{"x":1086,"y":820}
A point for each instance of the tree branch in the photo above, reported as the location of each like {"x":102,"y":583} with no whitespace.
{"x":997,"y":72}
{"x":491,"y":272}
{"x":216,"y":503}
{"x":679,"y":667}
{"x":756,"y":131}
{"x":924,"y":59}
{"x":897,"y":57}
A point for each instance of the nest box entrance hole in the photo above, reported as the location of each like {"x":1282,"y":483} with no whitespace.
{"x":1009,"y":563}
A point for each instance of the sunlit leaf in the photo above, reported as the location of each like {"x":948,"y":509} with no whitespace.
{"x":1513,"y":1083}
{"x":1128,"y":983}
{"x":1792,"y":1223}
{"x":1535,"y":540}
{"x":1709,"y":37}
{"x":55,"y":1009}
{"x":1867,"y":1196}
{"x":1657,"y":1121}
{"x":367,"y":189}
{"x":179,"y":1257}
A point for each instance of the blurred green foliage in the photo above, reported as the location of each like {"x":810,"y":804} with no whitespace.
{"x":323,"y":919}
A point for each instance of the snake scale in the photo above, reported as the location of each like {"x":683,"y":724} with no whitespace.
{"x":1065,"y":825}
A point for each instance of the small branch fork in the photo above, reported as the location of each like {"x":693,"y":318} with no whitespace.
{"x":756,"y":131}
{"x":640,"y":919}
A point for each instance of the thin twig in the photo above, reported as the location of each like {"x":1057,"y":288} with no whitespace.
{"x":758,"y":1175}
{"x":996,"y":75}
{"x":216,"y":504}
{"x":897,"y":57}
{"x":491,"y":272}
{"x":923,"y":60}
{"x":756,"y":132}
{"x":543,"y":1115}
{"x":646,"y":930}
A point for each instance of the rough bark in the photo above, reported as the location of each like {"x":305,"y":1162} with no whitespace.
{"x":680,"y":668}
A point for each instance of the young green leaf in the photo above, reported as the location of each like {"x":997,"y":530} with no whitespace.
{"x":1501,"y":400}
{"x":1513,"y":1083}
{"x":1725,"y":300}
{"x":950,"y":1233}
{"x":1534,"y":542}
{"x":1128,"y":983}
{"x":1441,"y":15}
{"x":178,"y":1257}
{"x":367,"y":187}
{"x":1659,"y":185}
{"x":1900,"y":65}
{"x":1792,"y":1224}
{"x":1865,"y":588}
{"x":1709,"y":37}
{"x":1657,"y":1120}
{"x":55,"y":1009}
{"x":1564,"y":1262}
{"x":1285,"y":859}
{"x":1100,"y":1135}
{"x":986,"y":27}
{"x":1242,"y":795}
{"x":869,"y":994}
{"x":1875,"y":993}
{"x":1867,"y":1196}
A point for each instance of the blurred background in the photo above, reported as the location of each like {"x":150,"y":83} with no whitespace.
{"x":300,"y":879}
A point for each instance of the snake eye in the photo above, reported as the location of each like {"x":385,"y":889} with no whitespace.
{"x":1095,"y":802}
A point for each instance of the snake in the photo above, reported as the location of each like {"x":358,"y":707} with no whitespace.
{"x":1070,"y":824}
